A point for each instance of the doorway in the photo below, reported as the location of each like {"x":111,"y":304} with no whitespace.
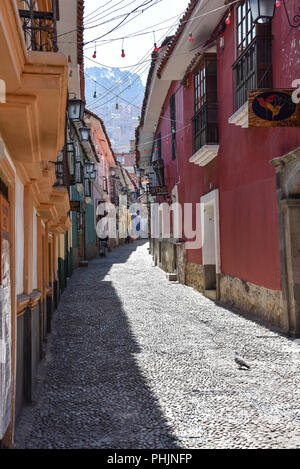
{"x":288,"y":200}
{"x":210,"y":244}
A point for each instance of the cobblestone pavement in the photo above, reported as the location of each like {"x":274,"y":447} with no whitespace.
{"x":137,"y":362}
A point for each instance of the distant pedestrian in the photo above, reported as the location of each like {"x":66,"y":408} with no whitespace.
{"x":103,"y":246}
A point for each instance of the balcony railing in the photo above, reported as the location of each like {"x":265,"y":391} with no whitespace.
{"x":158,"y":167}
{"x":253,"y":69}
{"x":39,"y":27}
{"x":206,"y":128}
{"x":63,"y":177}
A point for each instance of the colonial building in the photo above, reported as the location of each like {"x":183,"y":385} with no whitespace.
{"x":197,"y":139}
{"x":34,"y":211}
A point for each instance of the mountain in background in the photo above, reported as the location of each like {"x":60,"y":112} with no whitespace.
{"x":119,"y":114}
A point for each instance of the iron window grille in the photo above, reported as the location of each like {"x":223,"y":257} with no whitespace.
{"x":62,"y":168}
{"x":40,"y":27}
{"x":253,"y":66}
{"x":105,"y":185}
{"x":253,"y":69}
{"x":59,"y":171}
{"x":159,"y":169}
{"x":245,"y":28}
{"x":205,"y":120}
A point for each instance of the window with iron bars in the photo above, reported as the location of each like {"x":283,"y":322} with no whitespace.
{"x":205,"y":120}
{"x":253,"y":66}
{"x":40,"y":27}
{"x":173,"y":125}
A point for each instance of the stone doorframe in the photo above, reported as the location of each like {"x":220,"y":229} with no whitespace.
{"x":288,"y":202}
{"x":212,"y":198}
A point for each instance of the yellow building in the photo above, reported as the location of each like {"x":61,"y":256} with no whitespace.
{"x":34,"y":211}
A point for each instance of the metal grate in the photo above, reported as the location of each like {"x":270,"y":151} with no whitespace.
{"x":39,"y":27}
{"x":253,"y":69}
{"x":206,"y":127}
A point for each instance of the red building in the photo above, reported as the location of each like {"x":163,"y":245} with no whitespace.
{"x":245,"y":180}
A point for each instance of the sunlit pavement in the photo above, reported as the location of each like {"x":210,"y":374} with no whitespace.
{"x":137,"y":362}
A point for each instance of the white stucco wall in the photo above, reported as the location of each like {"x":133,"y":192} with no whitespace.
{"x":34,"y":241}
{"x":19,"y":237}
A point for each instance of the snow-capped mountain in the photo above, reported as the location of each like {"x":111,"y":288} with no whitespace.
{"x":116,"y":96}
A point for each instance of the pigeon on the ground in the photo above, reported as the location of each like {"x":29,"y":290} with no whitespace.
{"x":241,"y":362}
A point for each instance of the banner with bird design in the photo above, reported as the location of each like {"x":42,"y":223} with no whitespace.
{"x":273,"y":108}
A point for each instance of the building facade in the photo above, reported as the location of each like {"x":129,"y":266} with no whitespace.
{"x":34,"y":211}
{"x":242,"y":181}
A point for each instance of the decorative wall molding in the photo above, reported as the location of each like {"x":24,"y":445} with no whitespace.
{"x":205,"y":155}
{"x":240,"y":117}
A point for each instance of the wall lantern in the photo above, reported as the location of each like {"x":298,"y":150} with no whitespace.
{"x":93,"y":175}
{"x":76,"y":109}
{"x":89,"y":167}
{"x":84,"y":133}
{"x":263,"y":11}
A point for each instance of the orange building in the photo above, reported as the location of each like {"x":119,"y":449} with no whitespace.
{"x":34,"y":212}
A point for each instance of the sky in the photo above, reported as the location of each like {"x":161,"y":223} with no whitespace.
{"x":137,"y":49}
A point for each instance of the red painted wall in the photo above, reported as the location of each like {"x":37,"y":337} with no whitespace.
{"x":242,"y":170}
{"x":248,"y":206}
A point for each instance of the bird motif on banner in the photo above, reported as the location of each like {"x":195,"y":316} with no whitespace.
{"x":268,"y":106}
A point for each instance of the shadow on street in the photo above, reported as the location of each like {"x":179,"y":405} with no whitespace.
{"x":93,"y":394}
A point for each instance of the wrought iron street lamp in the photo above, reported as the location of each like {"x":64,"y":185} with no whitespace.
{"x":84,"y":133}
{"x":263,"y":11}
{"x":76,"y":109}
{"x":89,"y":167}
{"x":93,"y":175}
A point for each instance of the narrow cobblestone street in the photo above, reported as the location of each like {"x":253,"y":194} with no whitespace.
{"x":137,"y":362}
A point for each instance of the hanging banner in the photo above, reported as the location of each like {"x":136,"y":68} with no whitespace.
{"x":273,"y":108}
{"x":5,"y":320}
